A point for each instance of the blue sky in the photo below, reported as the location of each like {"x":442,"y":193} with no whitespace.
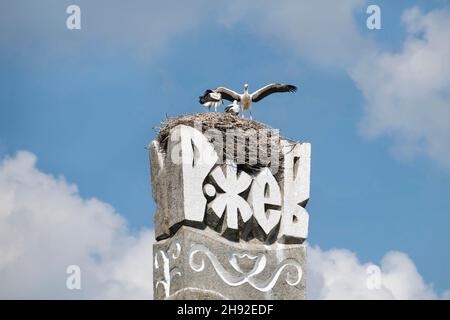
{"x":86,"y":103}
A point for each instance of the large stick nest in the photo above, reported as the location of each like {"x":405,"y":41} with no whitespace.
{"x":267,"y":139}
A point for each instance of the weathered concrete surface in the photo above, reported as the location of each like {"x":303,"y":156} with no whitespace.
{"x":198,"y":264}
{"x":177,"y":178}
{"x":295,"y":183}
{"x":228,"y":230}
{"x":192,"y":187}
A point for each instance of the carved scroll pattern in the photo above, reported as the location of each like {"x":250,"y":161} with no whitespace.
{"x":172,"y":253}
{"x":245,"y":277}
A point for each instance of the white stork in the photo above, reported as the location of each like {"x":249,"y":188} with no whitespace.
{"x":211,"y":99}
{"x":233,"y":108}
{"x":246,"y":99}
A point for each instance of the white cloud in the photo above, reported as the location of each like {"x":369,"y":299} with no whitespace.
{"x":46,"y":226}
{"x":338,"y":274}
{"x":323,"y":31}
{"x":142,"y":28}
{"x":408,"y":92}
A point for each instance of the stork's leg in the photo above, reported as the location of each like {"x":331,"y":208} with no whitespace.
{"x":251,"y":118}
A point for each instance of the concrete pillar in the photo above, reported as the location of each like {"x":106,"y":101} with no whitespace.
{"x":229,"y":228}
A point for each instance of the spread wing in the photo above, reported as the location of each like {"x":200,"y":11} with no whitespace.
{"x":228,"y":94}
{"x":272,"y":88}
{"x":209,"y":96}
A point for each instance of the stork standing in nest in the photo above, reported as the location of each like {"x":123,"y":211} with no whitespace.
{"x":233,"y":108}
{"x":246,"y":99}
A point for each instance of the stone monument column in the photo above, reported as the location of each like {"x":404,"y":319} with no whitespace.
{"x":230,"y":221}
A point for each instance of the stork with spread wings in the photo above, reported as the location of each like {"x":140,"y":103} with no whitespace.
{"x":246,"y":99}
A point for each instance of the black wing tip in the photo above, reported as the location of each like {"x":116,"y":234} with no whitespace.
{"x":204,"y":98}
{"x":292,"y":88}
{"x":289,"y":87}
{"x":207,"y":92}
